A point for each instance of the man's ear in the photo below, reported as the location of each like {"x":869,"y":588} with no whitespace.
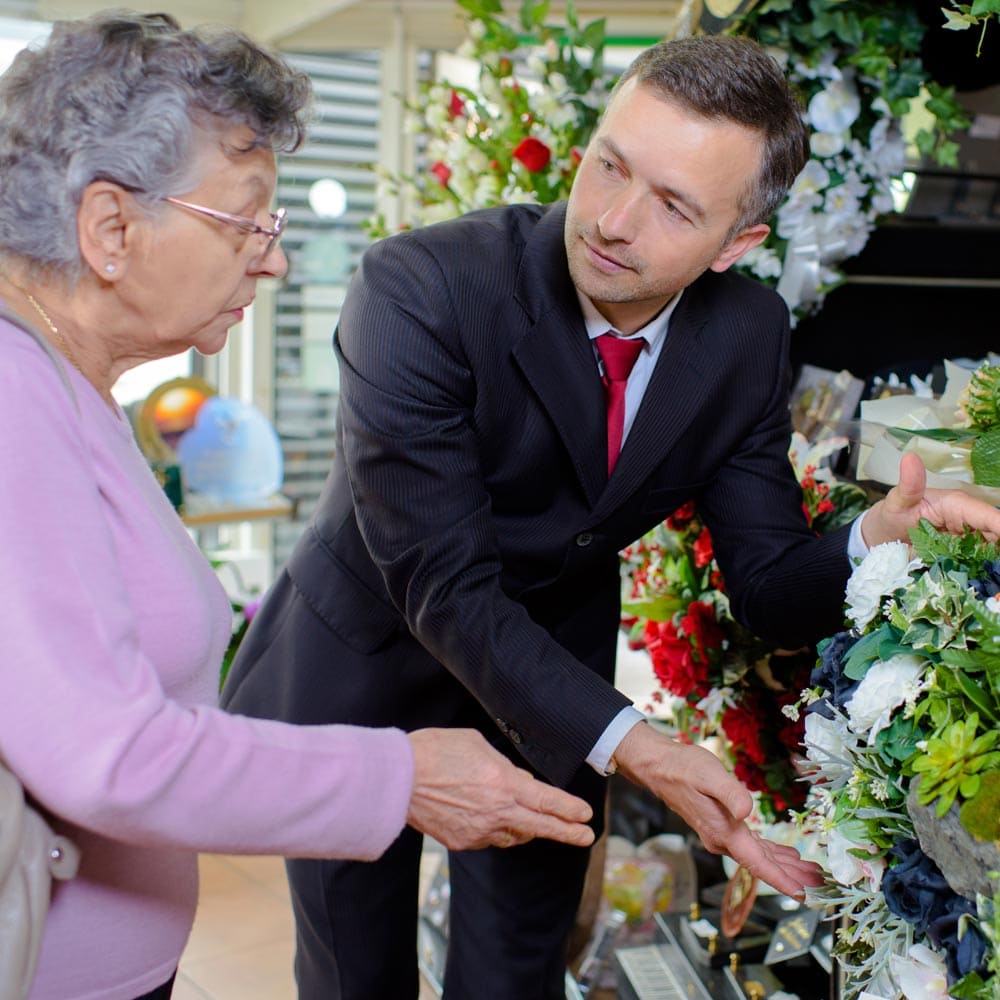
{"x":744,"y":240}
{"x":108,"y":226}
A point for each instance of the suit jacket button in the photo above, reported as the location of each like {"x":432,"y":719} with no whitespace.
{"x":502,"y":726}
{"x":515,"y":736}
{"x":584,"y":539}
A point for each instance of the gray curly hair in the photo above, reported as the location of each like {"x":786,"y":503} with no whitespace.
{"x":117,"y":97}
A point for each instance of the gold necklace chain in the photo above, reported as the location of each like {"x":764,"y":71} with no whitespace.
{"x":59,"y":338}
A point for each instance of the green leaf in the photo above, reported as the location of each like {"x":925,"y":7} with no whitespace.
{"x":594,"y":35}
{"x":969,"y":987}
{"x":481,"y":8}
{"x":533,"y":13}
{"x":977,"y":696}
{"x":980,"y":7}
{"x":660,"y":609}
{"x":956,"y":21}
{"x":898,"y":741}
{"x":985,"y":458}
{"x":864,"y":652}
{"x":933,"y":433}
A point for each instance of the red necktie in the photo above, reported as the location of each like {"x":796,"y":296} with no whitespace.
{"x":619,"y":356}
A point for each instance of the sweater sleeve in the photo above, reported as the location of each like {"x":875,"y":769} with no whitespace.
{"x":85,"y":720}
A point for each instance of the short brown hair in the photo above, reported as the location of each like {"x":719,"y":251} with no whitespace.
{"x":725,"y":77}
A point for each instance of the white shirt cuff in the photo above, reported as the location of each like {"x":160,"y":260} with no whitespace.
{"x":856,"y":547}
{"x":600,"y":757}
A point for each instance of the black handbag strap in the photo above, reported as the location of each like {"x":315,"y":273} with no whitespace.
{"x":57,"y":360}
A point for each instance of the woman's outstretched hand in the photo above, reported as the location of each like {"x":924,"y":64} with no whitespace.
{"x":467,"y":795}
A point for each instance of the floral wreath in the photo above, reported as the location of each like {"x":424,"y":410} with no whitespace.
{"x":903,"y":750}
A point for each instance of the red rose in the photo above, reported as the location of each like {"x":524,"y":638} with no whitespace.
{"x":533,"y":153}
{"x":703,"y":549}
{"x":575,"y":156}
{"x":700,"y":625}
{"x":442,"y":172}
{"x":456,"y":106}
{"x":673,"y":662}
{"x":743,"y":730}
{"x":751,"y":775}
{"x":680,"y":517}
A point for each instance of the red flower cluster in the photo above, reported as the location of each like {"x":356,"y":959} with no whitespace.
{"x":815,"y":496}
{"x":730,"y":684}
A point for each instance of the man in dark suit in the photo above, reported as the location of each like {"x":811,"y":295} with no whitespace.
{"x":462,"y":566}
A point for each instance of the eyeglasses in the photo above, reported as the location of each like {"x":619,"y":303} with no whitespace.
{"x":245,"y":225}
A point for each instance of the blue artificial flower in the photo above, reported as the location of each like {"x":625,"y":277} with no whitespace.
{"x":961,"y":956}
{"x":915,"y":889}
{"x":830,"y":676}
{"x":989,"y":584}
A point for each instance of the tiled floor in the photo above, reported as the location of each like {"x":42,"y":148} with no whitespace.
{"x":242,"y":943}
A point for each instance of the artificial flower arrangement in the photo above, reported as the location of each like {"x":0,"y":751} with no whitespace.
{"x":957,"y":436}
{"x":517,"y":137}
{"x":858,"y":68}
{"x":903,"y":757}
{"x":723,"y":683}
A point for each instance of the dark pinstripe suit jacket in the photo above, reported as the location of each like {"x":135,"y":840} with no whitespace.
{"x":468,"y":519}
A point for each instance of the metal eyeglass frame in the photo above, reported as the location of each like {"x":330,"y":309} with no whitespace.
{"x":245,"y":225}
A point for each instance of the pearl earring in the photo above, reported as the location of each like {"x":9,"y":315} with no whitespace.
{"x":109,"y":268}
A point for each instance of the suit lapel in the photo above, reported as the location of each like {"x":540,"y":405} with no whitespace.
{"x":678,"y":388}
{"x":555,"y":353}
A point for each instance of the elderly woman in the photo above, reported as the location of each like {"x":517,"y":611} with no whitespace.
{"x":137,"y":168}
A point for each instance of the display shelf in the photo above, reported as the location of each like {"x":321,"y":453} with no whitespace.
{"x":200,"y":513}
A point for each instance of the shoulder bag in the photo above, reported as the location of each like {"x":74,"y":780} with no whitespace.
{"x":31,"y":854}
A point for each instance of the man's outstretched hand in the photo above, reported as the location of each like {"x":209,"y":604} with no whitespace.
{"x":467,"y":796}
{"x":906,"y":503}
{"x":695,"y":785}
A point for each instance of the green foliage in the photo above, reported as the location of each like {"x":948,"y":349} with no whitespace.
{"x":965,"y":16}
{"x":881,"y":39}
{"x":968,"y":549}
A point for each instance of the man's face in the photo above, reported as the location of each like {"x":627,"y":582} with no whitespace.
{"x":654,"y":199}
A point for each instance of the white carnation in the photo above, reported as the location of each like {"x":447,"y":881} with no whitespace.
{"x":885,"y":569}
{"x":885,"y":686}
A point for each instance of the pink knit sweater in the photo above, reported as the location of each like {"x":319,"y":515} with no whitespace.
{"x":114,"y":626}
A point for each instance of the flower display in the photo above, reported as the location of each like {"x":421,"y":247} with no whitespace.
{"x":724,"y":683}
{"x":857,"y":65}
{"x":518,"y":136}
{"x":956,"y":436}
{"x":903,"y":762}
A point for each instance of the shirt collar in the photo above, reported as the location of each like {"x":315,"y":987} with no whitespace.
{"x":653,"y":332}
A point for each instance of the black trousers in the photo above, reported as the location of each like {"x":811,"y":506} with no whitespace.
{"x":511,"y":914}
{"x":161,"y":992}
